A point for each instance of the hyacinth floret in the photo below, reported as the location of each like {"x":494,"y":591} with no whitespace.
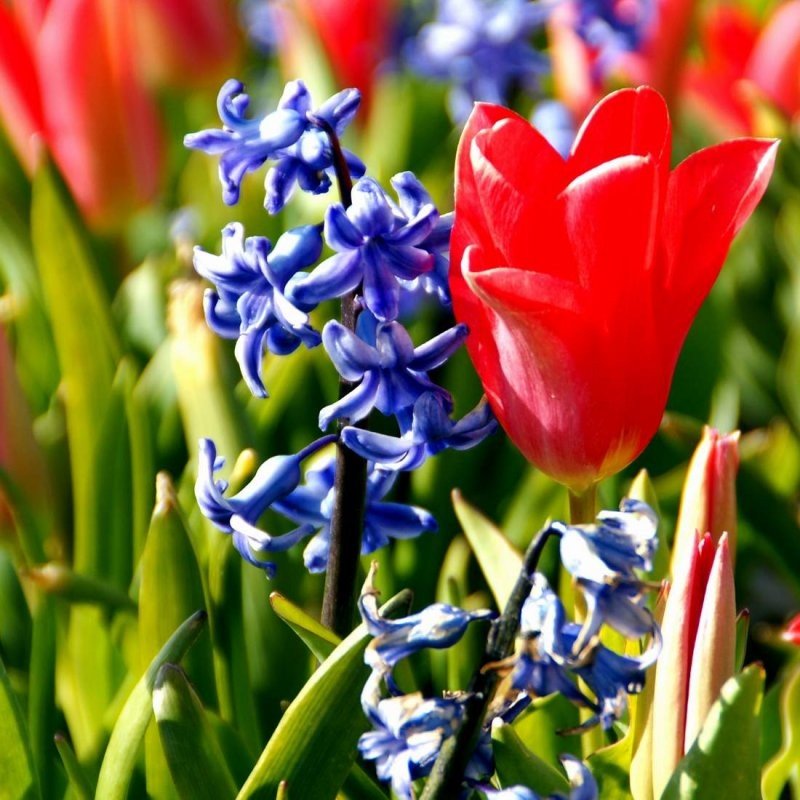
{"x":603,"y":559}
{"x":310,"y":505}
{"x":238,"y":514}
{"x":290,"y":136}
{"x":407,"y":735}
{"x":424,"y":432}
{"x":249,"y":302}
{"x":376,"y":247}
{"x":390,"y":372}
{"x":412,"y":198}
{"x":438,"y":626}
{"x":483,"y":48}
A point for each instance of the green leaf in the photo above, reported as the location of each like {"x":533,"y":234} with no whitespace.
{"x":17,"y":774}
{"x":77,"y":780}
{"x":126,"y":738}
{"x":611,"y":768}
{"x":500,"y":562}
{"x":85,"y":339}
{"x":170,"y":589}
{"x":783,"y":767}
{"x":195,"y":762}
{"x":313,"y":747}
{"x":359,"y":786}
{"x":515,"y":764}
{"x":724,"y":760}
{"x":320,"y":640}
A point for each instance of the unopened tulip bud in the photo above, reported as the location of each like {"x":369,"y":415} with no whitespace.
{"x":708,"y":502}
{"x":792,"y":631}
{"x":698,"y":654}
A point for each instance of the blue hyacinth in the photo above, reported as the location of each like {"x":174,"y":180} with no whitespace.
{"x":483,"y":48}
{"x":425,"y":431}
{"x":250,"y":302}
{"x":612,"y":27}
{"x":291,"y":136}
{"x":377,"y":247}
{"x":390,"y":372}
{"x":311,"y":505}
{"x":238,"y":514}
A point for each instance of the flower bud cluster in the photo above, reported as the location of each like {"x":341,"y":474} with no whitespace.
{"x":385,"y":252}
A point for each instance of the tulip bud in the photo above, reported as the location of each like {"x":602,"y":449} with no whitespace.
{"x":708,"y":502}
{"x":698,"y":654}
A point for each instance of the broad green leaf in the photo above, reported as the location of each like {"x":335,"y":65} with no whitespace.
{"x":195,"y":762}
{"x":724,"y":760}
{"x":320,"y":640}
{"x":126,"y":738}
{"x":85,"y":339}
{"x":611,"y":768}
{"x":17,"y":774}
{"x":170,"y":589}
{"x":77,"y":779}
{"x":313,"y":747}
{"x":37,"y":365}
{"x":499,"y":561}
{"x":42,"y":710}
{"x":515,"y":764}
{"x":359,"y":786}
{"x":784,"y":766}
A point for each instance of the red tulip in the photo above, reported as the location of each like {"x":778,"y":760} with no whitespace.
{"x":579,"y":278}
{"x":66,"y":75}
{"x":356,"y":36}
{"x":745,"y":64}
{"x":187,"y":42}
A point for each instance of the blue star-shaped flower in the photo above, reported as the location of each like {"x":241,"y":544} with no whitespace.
{"x":312,"y":505}
{"x":425,"y":432}
{"x":239,"y":513}
{"x":376,"y":247}
{"x":250,"y":303}
{"x":391,"y":373}
{"x":290,"y":136}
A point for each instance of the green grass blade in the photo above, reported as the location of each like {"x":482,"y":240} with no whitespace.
{"x":77,"y":779}
{"x":17,"y":773}
{"x":195,"y":762}
{"x":126,"y":738}
{"x":320,"y":640}
{"x":313,"y":747}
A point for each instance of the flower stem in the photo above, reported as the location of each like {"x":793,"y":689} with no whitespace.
{"x":583,"y":510}
{"x":448,"y":771}
{"x":350,"y":480}
{"x":583,"y":506}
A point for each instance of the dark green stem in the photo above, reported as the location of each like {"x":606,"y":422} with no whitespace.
{"x":448,"y":771}
{"x":350,"y":481}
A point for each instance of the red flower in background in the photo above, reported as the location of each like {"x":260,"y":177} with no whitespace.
{"x":744,"y":63}
{"x":356,"y":36}
{"x":579,"y":279}
{"x":67,"y":77}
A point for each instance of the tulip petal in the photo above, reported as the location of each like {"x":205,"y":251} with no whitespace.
{"x":626,"y":122}
{"x":714,"y":655}
{"x":507,"y":160}
{"x":710,"y":196}
{"x":20,"y":99}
